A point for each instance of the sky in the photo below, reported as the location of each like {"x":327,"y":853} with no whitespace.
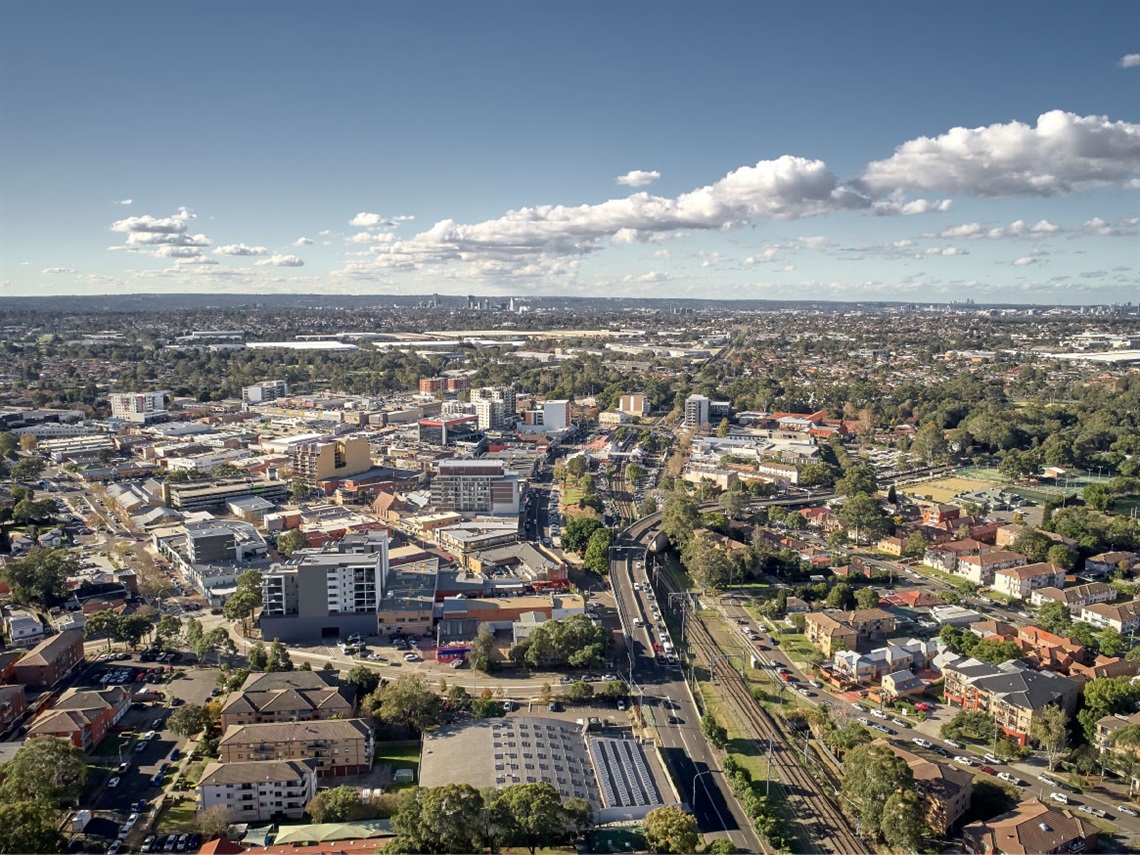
{"x":925,"y":152}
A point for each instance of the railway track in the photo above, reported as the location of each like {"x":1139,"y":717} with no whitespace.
{"x":819,"y":824}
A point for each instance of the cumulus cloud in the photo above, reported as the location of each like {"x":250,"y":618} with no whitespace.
{"x":372,"y":237}
{"x":944,"y":250}
{"x":241,"y":249}
{"x":1130,"y":60}
{"x":1024,"y":260}
{"x":1016,"y":229}
{"x":1102,"y":228}
{"x":146,"y":230}
{"x":54,"y":270}
{"x":178,"y":252}
{"x":1063,"y":153}
{"x":638,"y":178}
{"x":367,"y":220}
{"x":126,"y":201}
{"x":303,"y":241}
{"x":281,"y":261}
{"x":896,"y":205}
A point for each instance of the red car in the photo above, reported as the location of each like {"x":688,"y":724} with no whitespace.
{"x":787,"y":678}
{"x":760,"y":646}
{"x":989,"y":770}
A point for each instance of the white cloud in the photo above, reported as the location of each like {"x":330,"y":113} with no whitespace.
{"x":944,"y":250}
{"x":303,"y":241}
{"x":368,"y":220}
{"x":178,"y":252}
{"x":1016,"y":229}
{"x":126,"y":201}
{"x":766,"y":256}
{"x":1130,"y":60}
{"x":638,"y":178}
{"x":372,"y":237}
{"x":895,"y":205}
{"x":281,"y":261}
{"x":53,"y":270}
{"x":159,"y":231}
{"x":241,"y":249}
{"x":1024,"y":260}
{"x":1102,"y":228}
{"x":645,"y":278}
{"x":1063,"y":153}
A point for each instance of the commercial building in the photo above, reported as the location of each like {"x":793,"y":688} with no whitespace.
{"x":191,"y":496}
{"x":264,"y":392}
{"x":1019,"y":582}
{"x":289,"y":696}
{"x":259,"y":790}
{"x":475,"y":487}
{"x":1011,"y":693}
{"x":50,"y":660}
{"x":622,"y":779}
{"x":634,"y":405}
{"x":551,"y":416}
{"x":407,"y":601}
{"x":138,"y":407}
{"x":945,"y":789}
{"x":1031,"y":828}
{"x":336,"y":747}
{"x":326,"y":593}
{"x":449,"y":431}
{"x":326,"y":459}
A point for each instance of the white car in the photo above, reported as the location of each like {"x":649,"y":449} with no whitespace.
{"x":952,"y":743}
{"x":1045,"y":779}
{"x":965,"y":761}
{"x":621,"y":705}
{"x":114,"y":782}
{"x":879,"y":714}
{"x":1126,"y":809}
{"x":150,"y":734}
{"x":1092,"y":810}
{"x":899,"y":722}
{"x":863,"y":720}
{"x":411,"y":657}
{"x":1060,"y":798}
{"x":1010,"y":779}
{"x":921,"y":743}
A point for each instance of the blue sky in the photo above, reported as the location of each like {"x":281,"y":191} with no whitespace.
{"x":846,"y":150}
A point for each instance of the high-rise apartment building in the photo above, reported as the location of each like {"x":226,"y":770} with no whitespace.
{"x":494,"y":407}
{"x":138,"y":407}
{"x":475,"y":487}
{"x":696,"y":411}
{"x":264,"y":392}
{"x":325,"y":459}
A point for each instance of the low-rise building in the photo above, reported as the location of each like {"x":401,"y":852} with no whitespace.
{"x":1050,"y":651}
{"x":1105,"y":563}
{"x":337,"y":746}
{"x":1123,"y":617}
{"x":1107,"y":727}
{"x":1075,"y":598}
{"x":83,"y":717}
{"x":22,"y":627}
{"x":980,"y":569}
{"x":13,"y":704}
{"x":1019,"y":582}
{"x":900,"y":684}
{"x":289,"y":696}
{"x":1031,"y":828}
{"x":944,"y":556}
{"x":945,"y":789}
{"x":259,"y":790}
{"x":51,"y":659}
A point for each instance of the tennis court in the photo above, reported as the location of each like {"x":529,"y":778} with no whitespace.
{"x":945,"y":489}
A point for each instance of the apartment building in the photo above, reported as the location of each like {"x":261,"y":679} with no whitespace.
{"x":443,"y":385}
{"x":336,"y":747}
{"x":980,"y":569}
{"x":1020,"y":582}
{"x":259,"y":790}
{"x":329,"y":458}
{"x":551,"y":416}
{"x":475,"y":487}
{"x":1031,"y":828}
{"x":494,"y":407}
{"x":1107,"y":727}
{"x":1011,"y":693}
{"x":289,"y":696}
{"x":138,"y":407}
{"x":1124,"y":618}
{"x":847,"y":630}
{"x":1050,"y":651}
{"x":634,"y":405}
{"x":328,"y":592}
{"x":945,"y":789}
{"x":896,"y":655}
{"x":264,"y":392}
{"x":1105,"y":563}
{"x":83,"y":717}
{"x":13,"y":704}
{"x":1075,"y":598}
{"x":944,"y":556}
{"x":51,"y":659}
{"x":696,"y":411}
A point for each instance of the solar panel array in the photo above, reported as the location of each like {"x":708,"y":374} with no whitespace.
{"x":623,"y":776}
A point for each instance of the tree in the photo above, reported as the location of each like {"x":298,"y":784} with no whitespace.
{"x":216,"y":642}
{"x":816,"y":474}
{"x":438,"y":819}
{"x":482,"y":655}
{"x":574,"y":641}
{"x":732,"y":503}
{"x":1110,"y":641}
{"x":614,"y":689}
{"x":1060,"y":556}
{"x":1050,"y":730}
{"x":1096,"y":496}
{"x":364,"y":679}
{"x":633,"y":473}
{"x":872,"y":774}
{"x":535,"y":815}
{"x":587,"y":484}
{"x":291,"y":541}
{"x":892,"y":495}
{"x":840,"y":597}
{"x":1054,"y":617}
{"x":866,"y":598}
{"x":27,"y":469}
{"x":995,"y":652}
{"x":904,"y":821}
{"x":338,"y":804}
{"x":706,"y":560}
{"x":577,"y":531}
{"x":40,"y":578}
{"x":862,"y":513}
{"x":916,"y":544}
{"x":45,"y":769}
{"x":1033,"y":544}
{"x":580,"y":691}
{"x":258,"y":656}
{"x":214,"y":821}
{"x":679,"y":519}
{"x":278,"y":659}
{"x":857,"y":479}
{"x":1107,"y":696}
{"x":713,"y":731}
{"x":30,"y":826}
{"x":576,"y":466}
{"x":168,"y":628}
{"x":597,"y":556}
{"x":670,"y":829}
{"x":409,"y":702}
{"x":188,"y":720}
{"x":241,"y":604}
{"x":194,"y":633}
{"x":298,"y":490}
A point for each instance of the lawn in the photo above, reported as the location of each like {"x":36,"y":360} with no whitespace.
{"x":109,"y":747}
{"x":399,"y":755}
{"x":945,"y":489}
{"x":177,"y":817}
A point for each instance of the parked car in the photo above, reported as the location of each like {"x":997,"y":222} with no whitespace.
{"x":114,"y":782}
{"x":1127,"y":809}
{"x":899,"y":722}
{"x":1060,"y":798}
{"x":989,"y":770}
{"x":1010,"y":779}
{"x":921,"y":743}
{"x":1092,"y":810}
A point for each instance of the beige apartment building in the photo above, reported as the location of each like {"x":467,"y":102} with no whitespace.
{"x":337,"y":747}
{"x":259,"y":790}
{"x":324,"y":460}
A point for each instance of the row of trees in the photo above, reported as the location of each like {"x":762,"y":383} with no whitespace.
{"x":45,"y":775}
{"x":575,"y":641}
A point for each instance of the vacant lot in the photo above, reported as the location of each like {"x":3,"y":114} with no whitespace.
{"x":945,"y":489}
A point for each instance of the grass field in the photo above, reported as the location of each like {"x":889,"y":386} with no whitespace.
{"x":400,"y":755}
{"x":177,"y":817}
{"x":945,"y":489}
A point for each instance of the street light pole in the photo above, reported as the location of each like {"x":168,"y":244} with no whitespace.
{"x":705,"y":772}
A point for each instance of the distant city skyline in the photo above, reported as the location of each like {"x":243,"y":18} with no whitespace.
{"x":812,"y":150}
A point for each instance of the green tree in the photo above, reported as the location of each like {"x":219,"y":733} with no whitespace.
{"x":857,"y":479}
{"x":1033,"y":544}
{"x":670,"y":829}
{"x":535,"y":814}
{"x":214,"y":821}
{"x":1060,"y":556}
{"x":30,"y":826}
{"x":732,"y":503}
{"x":1050,"y":730}
{"x":291,"y":541}
{"x":892,"y":495}
{"x":241,"y":604}
{"x":816,"y":475}
{"x":364,"y":679}
{"x":482,"y":655}
{"x":916,"y":544}
{"x":258,"y":656}
{"x":338,"y":804}
{"x":1110,"y":641}
{"x":597,"y":556}
{"x":995,"y":652}
{"x":904,"y":821}
{"x":576,"y":466}
{"x":278,"y":658}
{"x":438,"y":819}
{"x":188,"y":720}
{"x":298,"y":491}
{"x":168,"y":628}
{"x":577,"y":531}
{"x":40,"y":578}
{"x":1054,"y":617}
{"x":1107,"y":696}
{"x":866,"y":598}
{"x":1096,"y":496}
{"x":408,"y":701}
{"x":862,"y":514}
{"x":872,"y":774}
{"x":679,"y":519}
{"x":27,"y":469}
{"x":194,"y":633}
{"x":706,"y":560}
{"x":713,"y":731}
{"x":45,"y":769}
{"x":840,"y":597}
{"x":633,"y":473}
{"x":580,"y":691}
